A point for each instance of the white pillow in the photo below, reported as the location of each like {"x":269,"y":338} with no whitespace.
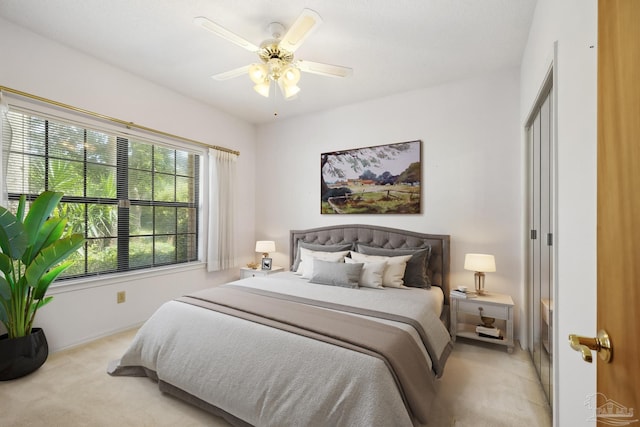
{"x":394,"y":271}
{"x":371,"y":275}
{"x":307,"y":256}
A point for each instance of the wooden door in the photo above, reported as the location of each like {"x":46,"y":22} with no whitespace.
{"x":618,"y":398}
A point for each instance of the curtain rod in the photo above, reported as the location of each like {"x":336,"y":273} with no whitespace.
{"x":128,"y":125}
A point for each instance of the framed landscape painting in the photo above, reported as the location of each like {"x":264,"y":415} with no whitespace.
{"x":383,"y":179}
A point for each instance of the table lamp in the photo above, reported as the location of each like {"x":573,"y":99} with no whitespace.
{"x":480,"y":263}
{"x":265,"y":246}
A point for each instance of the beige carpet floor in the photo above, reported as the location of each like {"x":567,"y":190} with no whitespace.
{"x":482,"y":385}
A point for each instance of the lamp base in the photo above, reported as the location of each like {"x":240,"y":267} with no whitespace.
{"x":479,"y":283}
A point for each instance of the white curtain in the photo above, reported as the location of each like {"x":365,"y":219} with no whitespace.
{"x":5,"y":140}
{"x":222,"y":178}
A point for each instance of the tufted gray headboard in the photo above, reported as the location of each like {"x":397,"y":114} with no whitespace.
{"x":384,"y":237}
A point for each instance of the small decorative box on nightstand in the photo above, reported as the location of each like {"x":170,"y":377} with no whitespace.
{"x":250,"y":272}
{"x":492,"y":305}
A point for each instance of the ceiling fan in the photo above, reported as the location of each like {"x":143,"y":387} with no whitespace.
{"x":276,"y":55}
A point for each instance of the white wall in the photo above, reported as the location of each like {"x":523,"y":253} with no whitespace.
{"x":573,"y":25}
{"x":36,"y":65}
{"x":472,"y":178}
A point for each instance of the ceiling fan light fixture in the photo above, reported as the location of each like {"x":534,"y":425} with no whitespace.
{"x":258,"y":73}
{"x":288,"y":90}
{"x":263,"y":88}
{"x":276,"y":55}
{"x":291,"y":75}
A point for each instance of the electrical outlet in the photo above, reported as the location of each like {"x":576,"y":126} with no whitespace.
{"x":122,"y":297}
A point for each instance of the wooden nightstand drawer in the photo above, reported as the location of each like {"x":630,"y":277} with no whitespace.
{"x":488,"y":310}
{"x":250,"y":272}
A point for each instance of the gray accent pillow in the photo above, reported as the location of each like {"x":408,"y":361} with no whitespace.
{"x":336,"y":273}
{"x":415,"y":275}
{"x":318,"y":247}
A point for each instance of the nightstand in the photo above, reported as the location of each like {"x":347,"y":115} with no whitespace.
{"x":250,"y":272}
{"x":494,"y":305}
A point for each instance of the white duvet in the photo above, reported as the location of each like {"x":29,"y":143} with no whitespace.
{"x":268,"y":377}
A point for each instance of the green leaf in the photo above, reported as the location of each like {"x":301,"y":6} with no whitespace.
{"x":44,"y":301}
{"x":5,"y":289}
{"x":22,"y":205}
{"x":39,"y":212}
{"x":48,"y":278}
{"x":5,"y":302}
{"x":40,"y":303}
{"x":6,"y":265}
{"x":4,"y":318}
{"x":50,"y":232}
{"x":13,"y":236}
{"x":50,"y":256}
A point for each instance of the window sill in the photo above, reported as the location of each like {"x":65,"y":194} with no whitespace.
{"x":115,"y":278}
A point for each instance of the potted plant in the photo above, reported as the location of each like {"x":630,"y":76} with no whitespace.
{"x":34,"y":248}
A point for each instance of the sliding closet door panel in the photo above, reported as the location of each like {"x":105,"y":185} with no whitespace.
{"x":540,"y":250}
{"x":547,"y":312}
{"x":536,"y":250}
{"x":546,"y":239}
{"x":532,"y":270}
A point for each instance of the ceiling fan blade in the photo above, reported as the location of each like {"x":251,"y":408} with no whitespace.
{"x":220,"y":31}
{"x":324,"y":69}
{"x":231,"y":73}
{"x":307,"y":23}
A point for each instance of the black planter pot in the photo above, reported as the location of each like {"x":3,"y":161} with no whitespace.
{"x":21,"y":356}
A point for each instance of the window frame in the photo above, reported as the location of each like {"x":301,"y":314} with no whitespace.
{"x":87,"y":121}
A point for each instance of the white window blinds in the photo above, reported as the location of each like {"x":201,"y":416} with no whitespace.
{"x":136,"y":201}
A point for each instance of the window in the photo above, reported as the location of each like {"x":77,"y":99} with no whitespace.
{"x":135,"y":201}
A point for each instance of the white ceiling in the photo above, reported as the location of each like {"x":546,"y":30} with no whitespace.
{"x":392,"y":45}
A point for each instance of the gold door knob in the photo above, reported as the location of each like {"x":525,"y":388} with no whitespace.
{"x":601,"y":344}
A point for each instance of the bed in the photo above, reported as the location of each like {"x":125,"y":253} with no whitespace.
{"x":322,"y":344}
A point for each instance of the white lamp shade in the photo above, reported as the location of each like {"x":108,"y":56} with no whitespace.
{"x":258,"y":73}
{"x":480,"y":262}
{"x":288,"y":91}
{"x":265,"y":246}
{"x":263,"y":88}
{"x":291,"y":76}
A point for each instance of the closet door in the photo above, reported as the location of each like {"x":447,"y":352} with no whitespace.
{"x":546,"y":243}
{"x":534,"y":245}
{"x":540,"y":248}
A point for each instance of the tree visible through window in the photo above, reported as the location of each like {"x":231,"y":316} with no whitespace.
{"x":135,"y":201}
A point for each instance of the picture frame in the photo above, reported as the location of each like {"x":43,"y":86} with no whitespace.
{"x":266,"y":263}
{"x":380,"y":179}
